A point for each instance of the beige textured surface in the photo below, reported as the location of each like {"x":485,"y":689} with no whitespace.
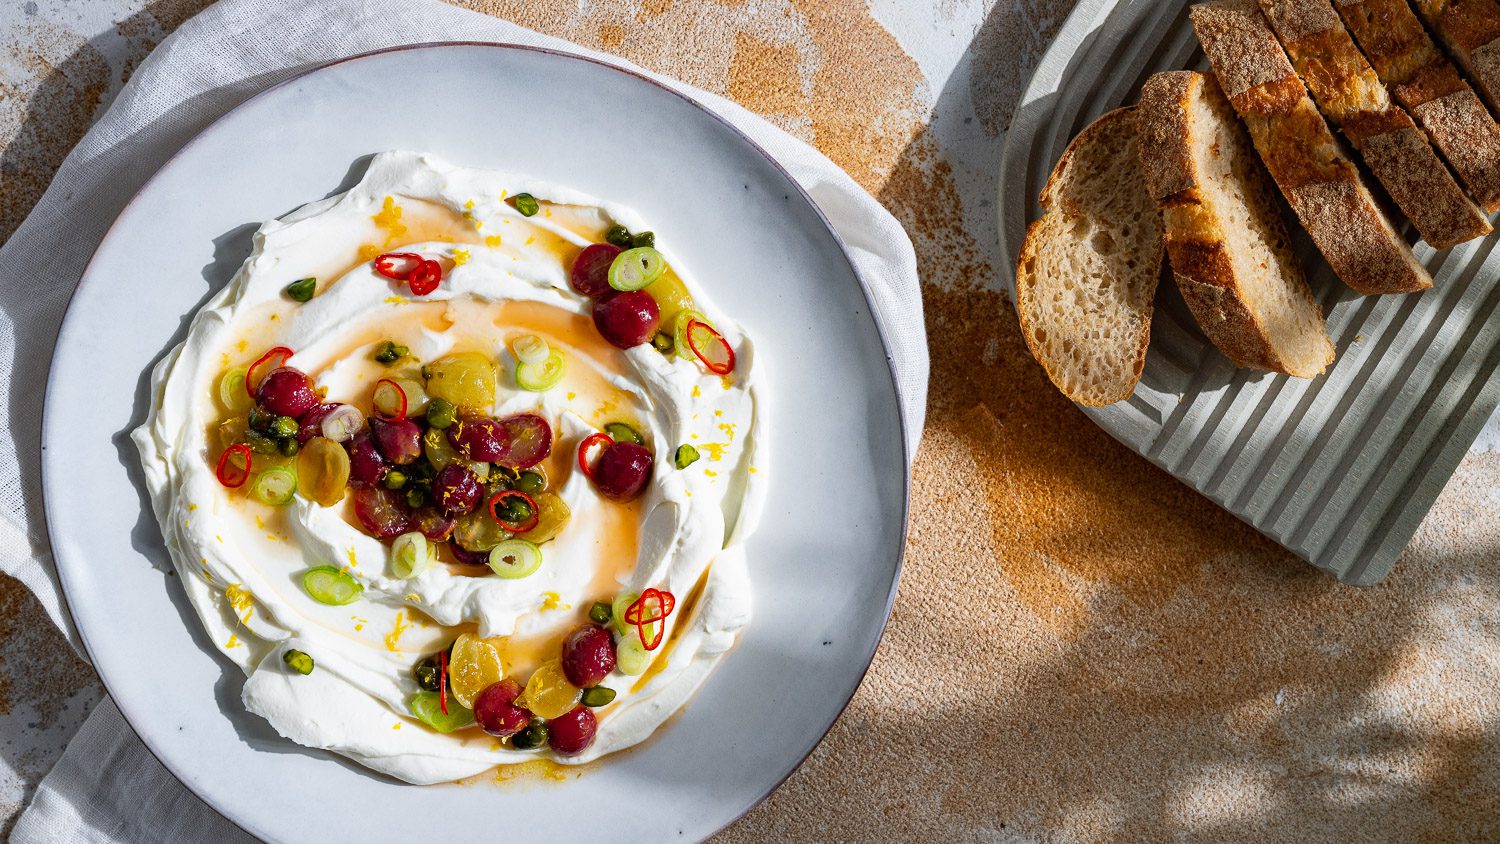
{"x":1081,"y":649}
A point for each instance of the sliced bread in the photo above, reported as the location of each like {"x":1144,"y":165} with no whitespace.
{"x":1228,"y":245}
{"x":1350,"y":94}
{"x":1089,"y":267}
{"x":1471,"y":30}
{"x":1313,"y":171}
{"x":1430,"y":87}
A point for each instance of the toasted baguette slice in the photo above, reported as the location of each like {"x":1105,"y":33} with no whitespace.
{"x":1430,"y":87}
{"x":1351,"y":96}
{"x":1229,"y":248}
{"x":1471,"y":30}
{"x":1089,"y":266}
{"x":1314,"y":172}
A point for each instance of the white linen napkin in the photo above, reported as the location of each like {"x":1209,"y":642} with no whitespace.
{"x":107,"y":786}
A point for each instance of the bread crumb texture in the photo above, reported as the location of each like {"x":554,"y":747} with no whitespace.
{"x":1082,"y":649}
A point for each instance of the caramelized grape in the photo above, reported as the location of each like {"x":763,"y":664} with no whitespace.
{"x":455,"y":489}
{"x":479,"y":438}
{"x":466,"y":379}
{"x":530,"y":440}
{"x":366,"y":466}
{"x":588,"y":655}
{"x":467,"y":557}
{"x":496,"y":711}
{"x":672,"y":298}
{"x":622,"y":471}
{"x":323,"y":471}
{"x":548,"y":692}
{"x":286,"y":392}
{"x":433,"y":523}
{"x":399,"y":440}
{"x":436,"y":447}
{"x":478,"y":532}
{"x":590,"y":273}
{"x":312,"y":422}
{"x":572,"y":732}
{"x":553,"y":514}
{"x":382,"y":512}
{"x":627,"y":319}
{"x":473,"y":666}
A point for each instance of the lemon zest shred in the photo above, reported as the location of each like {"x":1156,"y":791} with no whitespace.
{"x":553,"y":601}
{"x":240,"y":598}
{"x":492,"y":241}
{"x":395,"y":635}
{"x":460,"y":257}
{"x":389,"y":219}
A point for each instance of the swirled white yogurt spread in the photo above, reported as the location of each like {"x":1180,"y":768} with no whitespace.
{"x":504,"y":275}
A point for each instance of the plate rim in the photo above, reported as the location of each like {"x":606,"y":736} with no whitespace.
{"x":50,"y":490}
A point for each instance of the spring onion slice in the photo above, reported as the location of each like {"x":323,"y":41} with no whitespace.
{"x":539,"y":379}
{"x":631,"y":657}
{"x":679,"y":331}
{"x":515,"y":558}
{"x":328,"y":585}
{"x":342,"y":423}
{"x":636,"y":268}
{"x":232,"y":391}
{"x":275,"y":486}
{"x":530,"y":349}
{"x":428,"y":709}
{"x":412,"y":555}
{"x":622,"y":603}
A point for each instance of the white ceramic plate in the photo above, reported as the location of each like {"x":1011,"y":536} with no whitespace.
{"x":824,"y":563}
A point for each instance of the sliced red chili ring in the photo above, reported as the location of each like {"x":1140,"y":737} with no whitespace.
{"x":230,"y":474}
{"x":663,"y":600}
{"x":425,"y":278}
{"x":710,"y":347}
{"x":388,"y":265}
{"x":499,"y":498}
{"x":635,"y":614}
{"x":265,"y":365}
{"x":585,"y":460}
{"x":382,"y":396}
{"x":443,"y":681}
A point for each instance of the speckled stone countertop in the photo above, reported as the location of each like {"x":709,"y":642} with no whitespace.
{"x":1082,"y":648}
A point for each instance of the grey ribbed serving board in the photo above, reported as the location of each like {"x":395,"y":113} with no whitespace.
{"x":1340,"y":469}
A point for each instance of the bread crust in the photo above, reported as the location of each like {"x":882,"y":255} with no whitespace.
{"x":1197,"y":243}
{"x":1423,"y":80}
{"x":1314,"y":173}
{"x":1471,"y":31}
{"x":1055,"y":206}
{"x":1351,"y":95}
